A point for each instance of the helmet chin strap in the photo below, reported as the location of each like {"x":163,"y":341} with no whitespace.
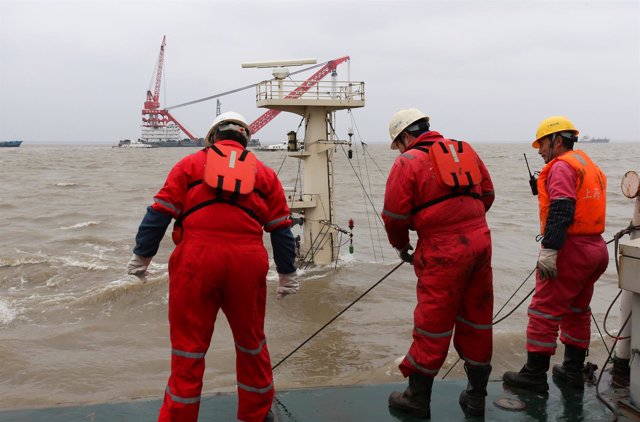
{"x":551,"y":142}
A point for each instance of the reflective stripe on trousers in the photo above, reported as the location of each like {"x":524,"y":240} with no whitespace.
{"x":563,"y":303}
{"x":455,"y":298}
{"x":198,"y":289}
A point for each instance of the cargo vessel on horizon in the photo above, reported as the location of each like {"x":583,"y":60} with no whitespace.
{"x":10,"y":144}
{"x":589,"y":140}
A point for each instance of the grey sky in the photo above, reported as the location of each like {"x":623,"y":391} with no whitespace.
{"x":484,"y":71}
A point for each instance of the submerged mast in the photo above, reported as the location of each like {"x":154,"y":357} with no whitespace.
{"x":316,"y":102}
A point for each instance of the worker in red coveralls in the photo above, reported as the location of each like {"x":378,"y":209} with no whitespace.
{"x":441,"y":189}
{"x":222,"y":198}
{"x":572,"y":198}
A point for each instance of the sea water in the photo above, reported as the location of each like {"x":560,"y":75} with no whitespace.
{"x":75,"y":329}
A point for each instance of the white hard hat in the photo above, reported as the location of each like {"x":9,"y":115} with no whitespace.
{"x":235,"y":121}
{"x":402,"y":120}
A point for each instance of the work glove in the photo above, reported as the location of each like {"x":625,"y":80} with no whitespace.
{"x":405,"y":255}
{"x":547,"y":263}
{"x":138,"y":266}
{"x":287,"y":284}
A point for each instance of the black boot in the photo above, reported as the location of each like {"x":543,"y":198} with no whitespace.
{"x":620,"y":373}
{"x":571,"y":370}
{"x":416,"y":399}
{"x":472,"y":399}
{"x":269,"y":417}
{"x":532,"y":376}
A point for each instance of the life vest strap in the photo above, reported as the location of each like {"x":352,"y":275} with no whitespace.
{"x":444,"y":198}
{"x":201,"y":205}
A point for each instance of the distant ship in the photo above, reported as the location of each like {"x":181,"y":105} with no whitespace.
{"x":126,"y":143}
{"x":9,"y":144}
{"x":273,"y":147}
{"x":168,"y":135}
{"x":594,"y":140}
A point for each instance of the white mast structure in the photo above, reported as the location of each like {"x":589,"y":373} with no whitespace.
{"x":317,"y":105}
{"x":629,"y":250}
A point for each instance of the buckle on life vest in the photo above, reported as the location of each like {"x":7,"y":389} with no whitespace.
{"x":455,"y":164}
{"x":230,"y":169}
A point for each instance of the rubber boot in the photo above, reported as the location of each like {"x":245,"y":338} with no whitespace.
{"x":472,"y":399}
{"x":570,"y":372}
{"x":532,"y":376}
{"x":269,"y":417}
{"x":620,"y":373}
{"x":416,"y":399}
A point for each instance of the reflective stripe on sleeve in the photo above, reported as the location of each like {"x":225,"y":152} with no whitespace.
{"x":434,"y":335}
{"x":407,"y":156}
{"x":184,"y":400}
{"x":167,"y":205}
{"x":395,"y":216}
{"x":276,"y":221}
{"x":254,"y":389}
{"x":190,"y":355}
{"x":252,"y":351}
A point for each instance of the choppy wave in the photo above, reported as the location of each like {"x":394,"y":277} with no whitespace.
{"x":69,"y":261}
{"x":6,"y":262}
{"x":7,"y":314}
{"x":66,"y":184}
{"x":81,"y":225}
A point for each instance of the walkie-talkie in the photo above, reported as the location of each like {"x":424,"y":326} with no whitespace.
{"x":533,"y":182}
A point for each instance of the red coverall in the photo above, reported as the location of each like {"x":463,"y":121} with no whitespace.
{"x":221,"y":263}
{"x":452,"y":260}
{"x":563,"y":302}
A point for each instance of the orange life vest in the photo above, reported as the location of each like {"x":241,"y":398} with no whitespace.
{"x":227,"y":169}
{"x":230,"y":169}
{"x":455,"y":164}
{"x":591,"y":194}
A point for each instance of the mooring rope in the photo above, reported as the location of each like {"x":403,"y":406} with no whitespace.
{"x":336,"y":317}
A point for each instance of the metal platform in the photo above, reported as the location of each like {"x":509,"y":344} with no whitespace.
{"x":362,"y":403}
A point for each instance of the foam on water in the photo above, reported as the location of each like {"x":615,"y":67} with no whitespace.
{"x":7,"y":314}
{"x":81,"y":225}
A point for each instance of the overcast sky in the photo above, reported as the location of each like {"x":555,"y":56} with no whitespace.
{"x":485,"y":71}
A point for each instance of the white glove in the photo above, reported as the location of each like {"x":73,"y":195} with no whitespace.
{"x":287,"y":284}
{"x":547,"y":263}
{"x":138,"y":266}
{"x":405,"y":255}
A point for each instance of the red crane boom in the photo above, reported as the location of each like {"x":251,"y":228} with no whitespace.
{"x":261,"y":121}
{"x":152,"y":115}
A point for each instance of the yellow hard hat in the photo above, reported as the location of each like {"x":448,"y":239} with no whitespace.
{"x":402,"y":120}
{"x":553,"y":124}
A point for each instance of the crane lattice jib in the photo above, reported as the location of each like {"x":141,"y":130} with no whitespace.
{"x":184,"y":129}
{"x":156,"y":91}
{"x":261,"y":121}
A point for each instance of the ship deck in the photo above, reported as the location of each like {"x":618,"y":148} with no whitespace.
{"x":360,"y":403}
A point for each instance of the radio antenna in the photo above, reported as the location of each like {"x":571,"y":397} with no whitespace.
{"x":533,"y":182}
